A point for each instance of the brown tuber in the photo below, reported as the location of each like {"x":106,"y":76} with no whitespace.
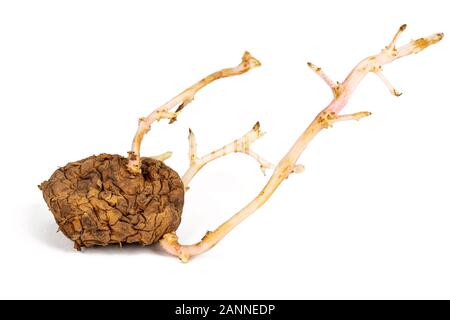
{"x":96,"y":201}
{"x":108,"y":199}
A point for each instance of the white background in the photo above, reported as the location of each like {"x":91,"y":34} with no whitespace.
{"x":369,"y":218}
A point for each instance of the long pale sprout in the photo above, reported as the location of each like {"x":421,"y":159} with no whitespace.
{"x":325,"y":119}
{"x":179,"y":102}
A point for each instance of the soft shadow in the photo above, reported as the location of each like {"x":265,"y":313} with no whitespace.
{"x":41,"y":225}
{"x":125,"y":249}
